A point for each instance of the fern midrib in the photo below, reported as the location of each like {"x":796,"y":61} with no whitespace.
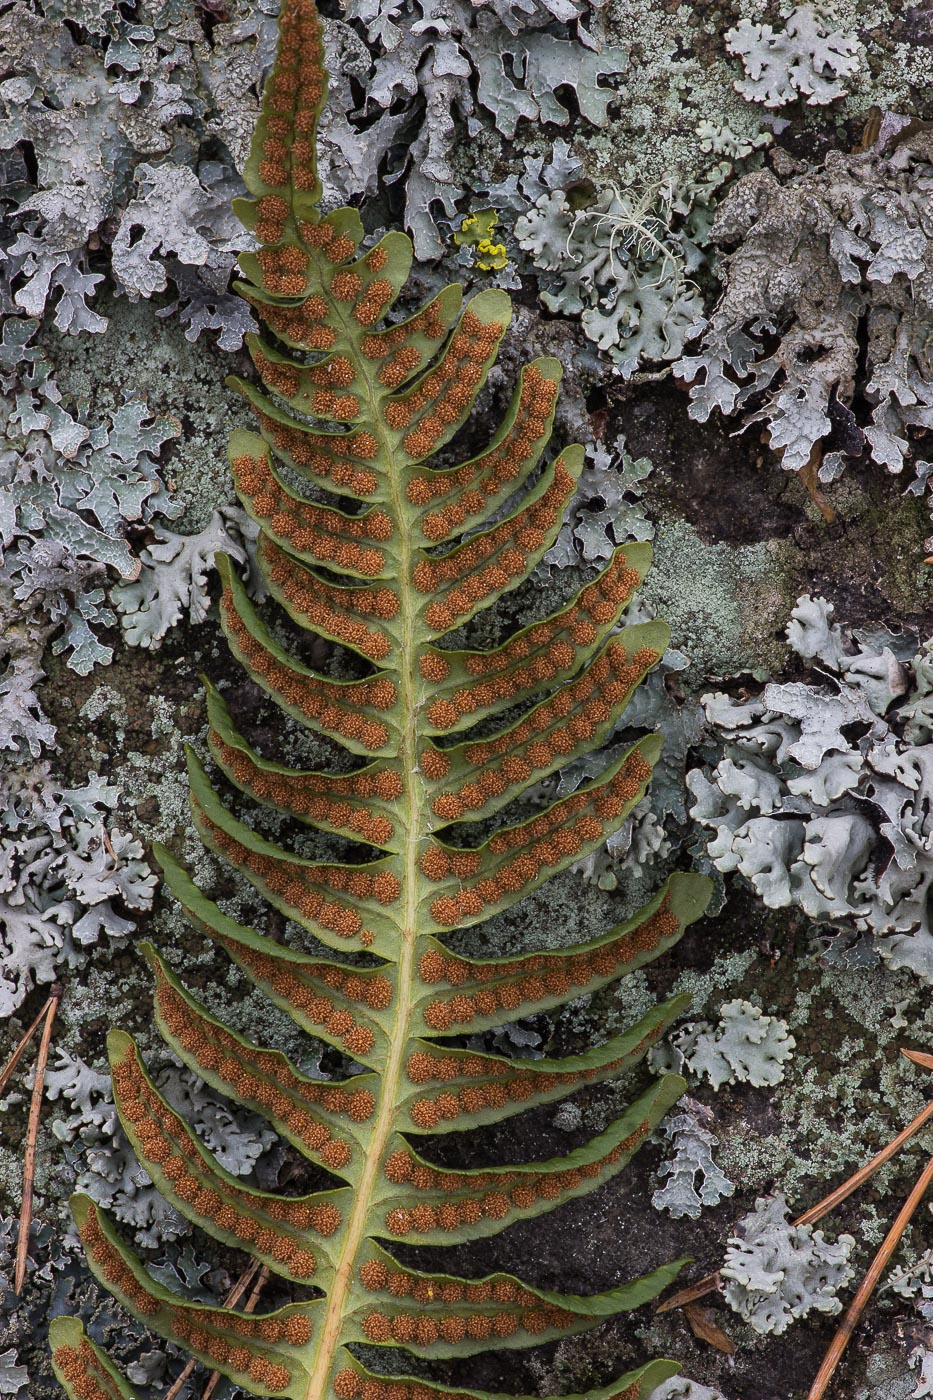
{"x":412,"y":804}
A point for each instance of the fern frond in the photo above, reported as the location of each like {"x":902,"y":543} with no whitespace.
{"x":401,"y":552}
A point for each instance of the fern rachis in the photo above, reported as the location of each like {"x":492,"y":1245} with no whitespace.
{"x":359,"y":410}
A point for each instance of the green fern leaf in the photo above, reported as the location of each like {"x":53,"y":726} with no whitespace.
{"x":405,"y":553}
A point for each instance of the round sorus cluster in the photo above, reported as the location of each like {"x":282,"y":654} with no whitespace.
{"x":351,"y":1385}
{"x":434,"y":666}
{"x":324,"y":238}
{"x":444,"y":395}
{"x":375,"y":301}
{"x":375,"y":525}
{"x":327,"y":608}
{"x":433,"y":966}
{"x":496,"y":1192}
{"x":603,"y":599}
{"x":84,"y":1373}
{"x":489,"y":562}
{"x":452,"y":1215}
{"x":434,"y":763}
{"x":235,"y":1354}
{"x":327,"y":458}
{"x":263,"y":1077}
{"x":284,"y":273}
{"x":285,"y":378}
{"x":290,"y":883}
{"x":342,"y":408}
{"x":545,"y":650}
{"x":163,"y":1140}
{"x":408,"y":1329}
{"x":325,"y":1218}
{"x":362,"y":986}
{"x":294,"y":1329}
{"x":443,"y":862}
{"x":318,"y":798}
{"x":400,"y":366}
{"x":472,"y":488}
{"x":427,"y":1113}
{"x":430,"y":323}
{"x":420,"y":1330}
{"x":300,"y":326}
{"x":345,"y":285}
{"x":662,"y":925}
{"x":117,"y":1272}
{"x":423,"y":1066}
{"x":271,"y":213}
{"x":326,"y":536}
{"x":548,"y":657}
{"x":331,"y":705}
{"x":293,"y":96}
{"x":318,"y":993}
{"x":377,"y":781}
{"x":297,"y":384}
{"x":376,"y":885}
{"x":373,"y":1276}
{"x":558,"y":835}
{"x":519,"y":985}
{"x":554,"y":728}
{"x":497,"y":1084}
{"x":336,"y":372}
{"x":500,"y":1289}
{"x":503,"y":688}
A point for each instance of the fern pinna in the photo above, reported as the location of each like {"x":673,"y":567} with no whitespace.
{"x":359,"y":410}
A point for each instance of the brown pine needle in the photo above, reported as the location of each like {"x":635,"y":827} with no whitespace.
{"x":809,"y":475}
{"x":859,"y":1302}
{"x":7,"y":1071}
{"x":232,"y":1298}
{"x":179,"y":1384}
{"x":261,"y":1282}
{"x":32,"y":1135}
{"x":704,"y":1325}
{"x":108,"y":847}
{"x":248,"y":1308}
{"x":700,"y":1289}
{"x":712,"y":1282}
{"x":241,"y":1285}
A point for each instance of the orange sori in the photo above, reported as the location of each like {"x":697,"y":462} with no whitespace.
{"x":83,"y":1373}
{"x":488,"y":563}
{"x":308,"y":528}
{"x":471,"y":487}
{"x":323,"y":800}
{"x":515,"y":985}
{"x":164,"y":1141}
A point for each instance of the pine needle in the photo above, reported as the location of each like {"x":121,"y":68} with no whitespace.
{"x":809,"y":475}
{"x":179,"y":1385}
{"x":7,"y":1071}
{"x":704,"y":1326}
{"x":859,"y":1302}
{"x":32,"y":1134}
